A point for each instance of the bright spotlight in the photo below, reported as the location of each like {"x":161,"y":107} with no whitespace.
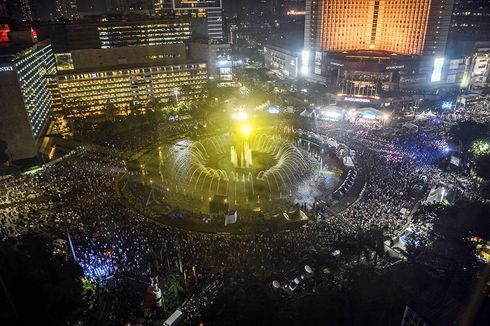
{"x":240,"y":116}
{"x":246,"y":130}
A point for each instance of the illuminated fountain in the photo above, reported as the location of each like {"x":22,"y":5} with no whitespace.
{"x":248,"y":166}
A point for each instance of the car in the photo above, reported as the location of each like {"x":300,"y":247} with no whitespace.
{"x":294,"y":284}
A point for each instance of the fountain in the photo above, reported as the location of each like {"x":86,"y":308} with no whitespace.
{"x":262,"y":164}
{"x":253,"y":169}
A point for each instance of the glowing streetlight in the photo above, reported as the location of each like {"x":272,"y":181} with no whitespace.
{"x":240,"y":116}
{"x":246,"y":130}
{"x":176,"y":92}
{"x":386,"y":117}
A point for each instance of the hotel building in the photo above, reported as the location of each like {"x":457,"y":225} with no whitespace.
{"x":89,"y":80}
{"x":26,"y":69}
{"x":371,"y":47}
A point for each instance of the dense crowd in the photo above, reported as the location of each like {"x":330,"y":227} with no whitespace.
{"x":76,"y":197}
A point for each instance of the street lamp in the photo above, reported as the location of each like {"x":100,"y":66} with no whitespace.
{"x":176,"y":92}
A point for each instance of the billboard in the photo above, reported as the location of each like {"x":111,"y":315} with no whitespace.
{"x":437,"y":71}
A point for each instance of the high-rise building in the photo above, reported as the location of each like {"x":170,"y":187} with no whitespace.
{"x":471,"y":20}
{"x":172,"y":31}
{"x":92,"y":35}
{"x":370,"y":47}
{"x":403,"y":27}
{"x":67,"y":9}
{"x":3,"y":8}
{"x":218,"y":57}
{"x":293,"y":7}
{"x":206,"y":15}
{"x":19,"y":10}
{"x":232,"y":34}
{"x":26,"y":69}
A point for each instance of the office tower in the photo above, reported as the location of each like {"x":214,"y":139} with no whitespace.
{"x":121,"y":34}
{"x":471,"y":20}
{"x":110,"y":34}
{"x":67,"y":9}
{"x":129,"y":6}
{"x":3,"y":8}
{"x":232,"y":34}
{"x":116,"y":5}
{"x":207,"y":17}
{"x":218,"y":57}
{"x":26,"y":10}
{"x":19,"y":10}
{"x":26,"y":68}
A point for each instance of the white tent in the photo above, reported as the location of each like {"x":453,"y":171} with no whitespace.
{"x":306,"y":114}
{"x":231,"y":219}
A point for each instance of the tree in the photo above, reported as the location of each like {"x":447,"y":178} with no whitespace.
{"x":110,"y":111}
{"x":37,"y":285}
{"x":466,"y":132}
{"x":481,"y":166}
{"x":3,"y":152}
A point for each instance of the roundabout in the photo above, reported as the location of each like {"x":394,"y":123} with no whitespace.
{"x":245,"y":178}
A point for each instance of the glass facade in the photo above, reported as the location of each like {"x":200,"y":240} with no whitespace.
{"x":122,"y":35}
{"x":35,"y":69}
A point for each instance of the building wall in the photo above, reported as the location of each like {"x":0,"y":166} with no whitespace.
{"x":438,"y":27}
{"x":479,"y":69}
{"x":281,"y":61}
{"x":218,"y":57}
{"x":313,"y":25}
{"x":15,"y":128}
{"x":35,"y":67}
{"x":144,"y":34}
{"x":471,"y":20}
{"x":91,"y":91}
{"x":74,"y":36}
{"x":400,"y":26}
{"x":26,"y":99}
{"x":113,"y":57}
{"x":207,"y":17}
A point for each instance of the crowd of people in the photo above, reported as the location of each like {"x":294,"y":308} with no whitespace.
{"x":76,"y":199}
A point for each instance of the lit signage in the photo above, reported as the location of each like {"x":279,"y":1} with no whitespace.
{"x":358,"y":100}
{"x":274,"y":110}
{"x":447,"y":104}
{"x":395,"y":67}
{"x":437,"y":71}
{"x":336,"y":64}
{"x":305,"y":61}
{"x":6,"y":68}
{"x":34,"y":34}
{"x":296,"y":13}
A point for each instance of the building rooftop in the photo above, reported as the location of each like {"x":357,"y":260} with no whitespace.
{"x":127,"y":67}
